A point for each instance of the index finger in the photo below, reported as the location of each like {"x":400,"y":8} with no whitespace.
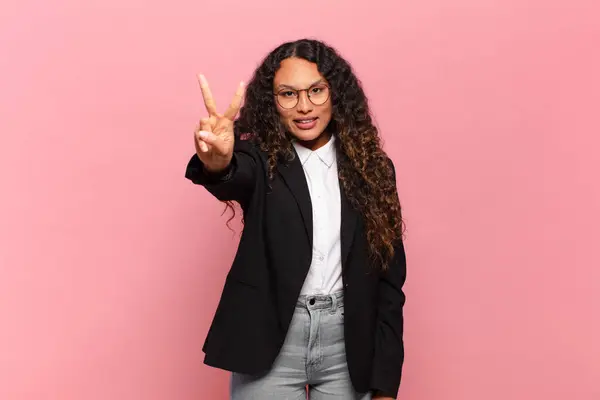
{"x":209,"y":101}
{"x":236,"y":103}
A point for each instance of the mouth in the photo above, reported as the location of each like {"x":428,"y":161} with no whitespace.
{"x":306,"y":123}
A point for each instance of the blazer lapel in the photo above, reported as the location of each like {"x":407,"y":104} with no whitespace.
{"x":348,"y":225}
{"x":293,"y":176}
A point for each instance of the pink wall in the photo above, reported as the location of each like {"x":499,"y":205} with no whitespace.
{"x":112,"y":263}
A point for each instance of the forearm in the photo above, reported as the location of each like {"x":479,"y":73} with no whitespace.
{"x":234,"y":183}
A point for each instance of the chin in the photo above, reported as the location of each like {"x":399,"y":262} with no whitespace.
{"x":307,"y":135}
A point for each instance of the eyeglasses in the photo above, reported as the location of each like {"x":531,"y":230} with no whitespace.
{"x":317,"y":94}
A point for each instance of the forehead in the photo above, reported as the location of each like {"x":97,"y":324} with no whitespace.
{"x":297,"y":72}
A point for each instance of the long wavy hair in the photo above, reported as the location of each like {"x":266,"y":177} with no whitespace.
{"x":365,"y":172}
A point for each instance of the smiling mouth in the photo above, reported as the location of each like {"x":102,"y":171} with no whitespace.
{"x":305,"y":120}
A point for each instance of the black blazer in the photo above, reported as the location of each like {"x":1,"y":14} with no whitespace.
{"x":270,"y":266}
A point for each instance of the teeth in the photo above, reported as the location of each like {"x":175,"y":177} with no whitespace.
{"x":305,"y":120}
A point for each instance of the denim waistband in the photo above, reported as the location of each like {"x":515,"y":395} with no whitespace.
{"x":321,"y":301}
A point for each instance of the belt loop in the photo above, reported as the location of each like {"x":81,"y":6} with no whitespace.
{"x":333,"y":303}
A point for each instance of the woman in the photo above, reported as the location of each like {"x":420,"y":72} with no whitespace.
{"x":313,"y":300}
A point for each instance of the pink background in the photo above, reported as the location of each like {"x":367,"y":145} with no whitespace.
{"x":112,"y":263}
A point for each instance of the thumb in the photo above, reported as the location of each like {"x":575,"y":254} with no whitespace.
{"x":213,"y":140}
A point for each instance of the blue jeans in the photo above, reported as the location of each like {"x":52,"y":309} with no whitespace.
{"x":312,"y":358}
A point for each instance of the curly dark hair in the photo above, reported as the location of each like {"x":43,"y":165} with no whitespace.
{"x":366,"y":173}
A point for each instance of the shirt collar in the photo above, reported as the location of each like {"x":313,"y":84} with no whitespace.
{"x":326,"y":153}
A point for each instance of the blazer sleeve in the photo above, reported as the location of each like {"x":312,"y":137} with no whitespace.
{"x":389,"y":343}
{"x":236,"y":183}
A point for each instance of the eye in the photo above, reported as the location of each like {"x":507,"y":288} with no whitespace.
{"x":287,"y":93}
{"x":316,"y":89}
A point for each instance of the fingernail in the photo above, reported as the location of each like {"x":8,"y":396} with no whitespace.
{"x":202,"y":79}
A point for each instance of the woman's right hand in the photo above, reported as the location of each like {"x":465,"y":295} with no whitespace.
{"x":214,"y":137}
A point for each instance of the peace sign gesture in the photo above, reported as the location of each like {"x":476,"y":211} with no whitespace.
{"x":214,"y":137}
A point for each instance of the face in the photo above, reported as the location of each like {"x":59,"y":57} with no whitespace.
{"x":303,"y":100}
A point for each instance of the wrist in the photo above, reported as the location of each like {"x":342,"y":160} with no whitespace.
{"x":214,"y":173}
{"x":218,"y":169}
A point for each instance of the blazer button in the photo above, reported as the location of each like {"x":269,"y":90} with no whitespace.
{"x":311,"y":302}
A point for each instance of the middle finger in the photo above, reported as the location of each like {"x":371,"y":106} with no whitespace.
{"x":236,"y":103}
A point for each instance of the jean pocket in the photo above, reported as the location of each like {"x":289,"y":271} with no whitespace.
{"x":338,"y":314}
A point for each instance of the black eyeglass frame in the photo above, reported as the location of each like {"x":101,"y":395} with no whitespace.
{"x":276,"y":94}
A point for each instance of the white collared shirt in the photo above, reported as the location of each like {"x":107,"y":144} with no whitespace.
{"x":321,"y":172}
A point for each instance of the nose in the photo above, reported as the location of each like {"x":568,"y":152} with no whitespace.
{"x":304,"y":105}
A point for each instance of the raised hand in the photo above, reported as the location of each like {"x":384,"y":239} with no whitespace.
{"x":214,"y":136}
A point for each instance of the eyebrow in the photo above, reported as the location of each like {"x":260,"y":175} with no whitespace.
{"x":282,"y":86}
